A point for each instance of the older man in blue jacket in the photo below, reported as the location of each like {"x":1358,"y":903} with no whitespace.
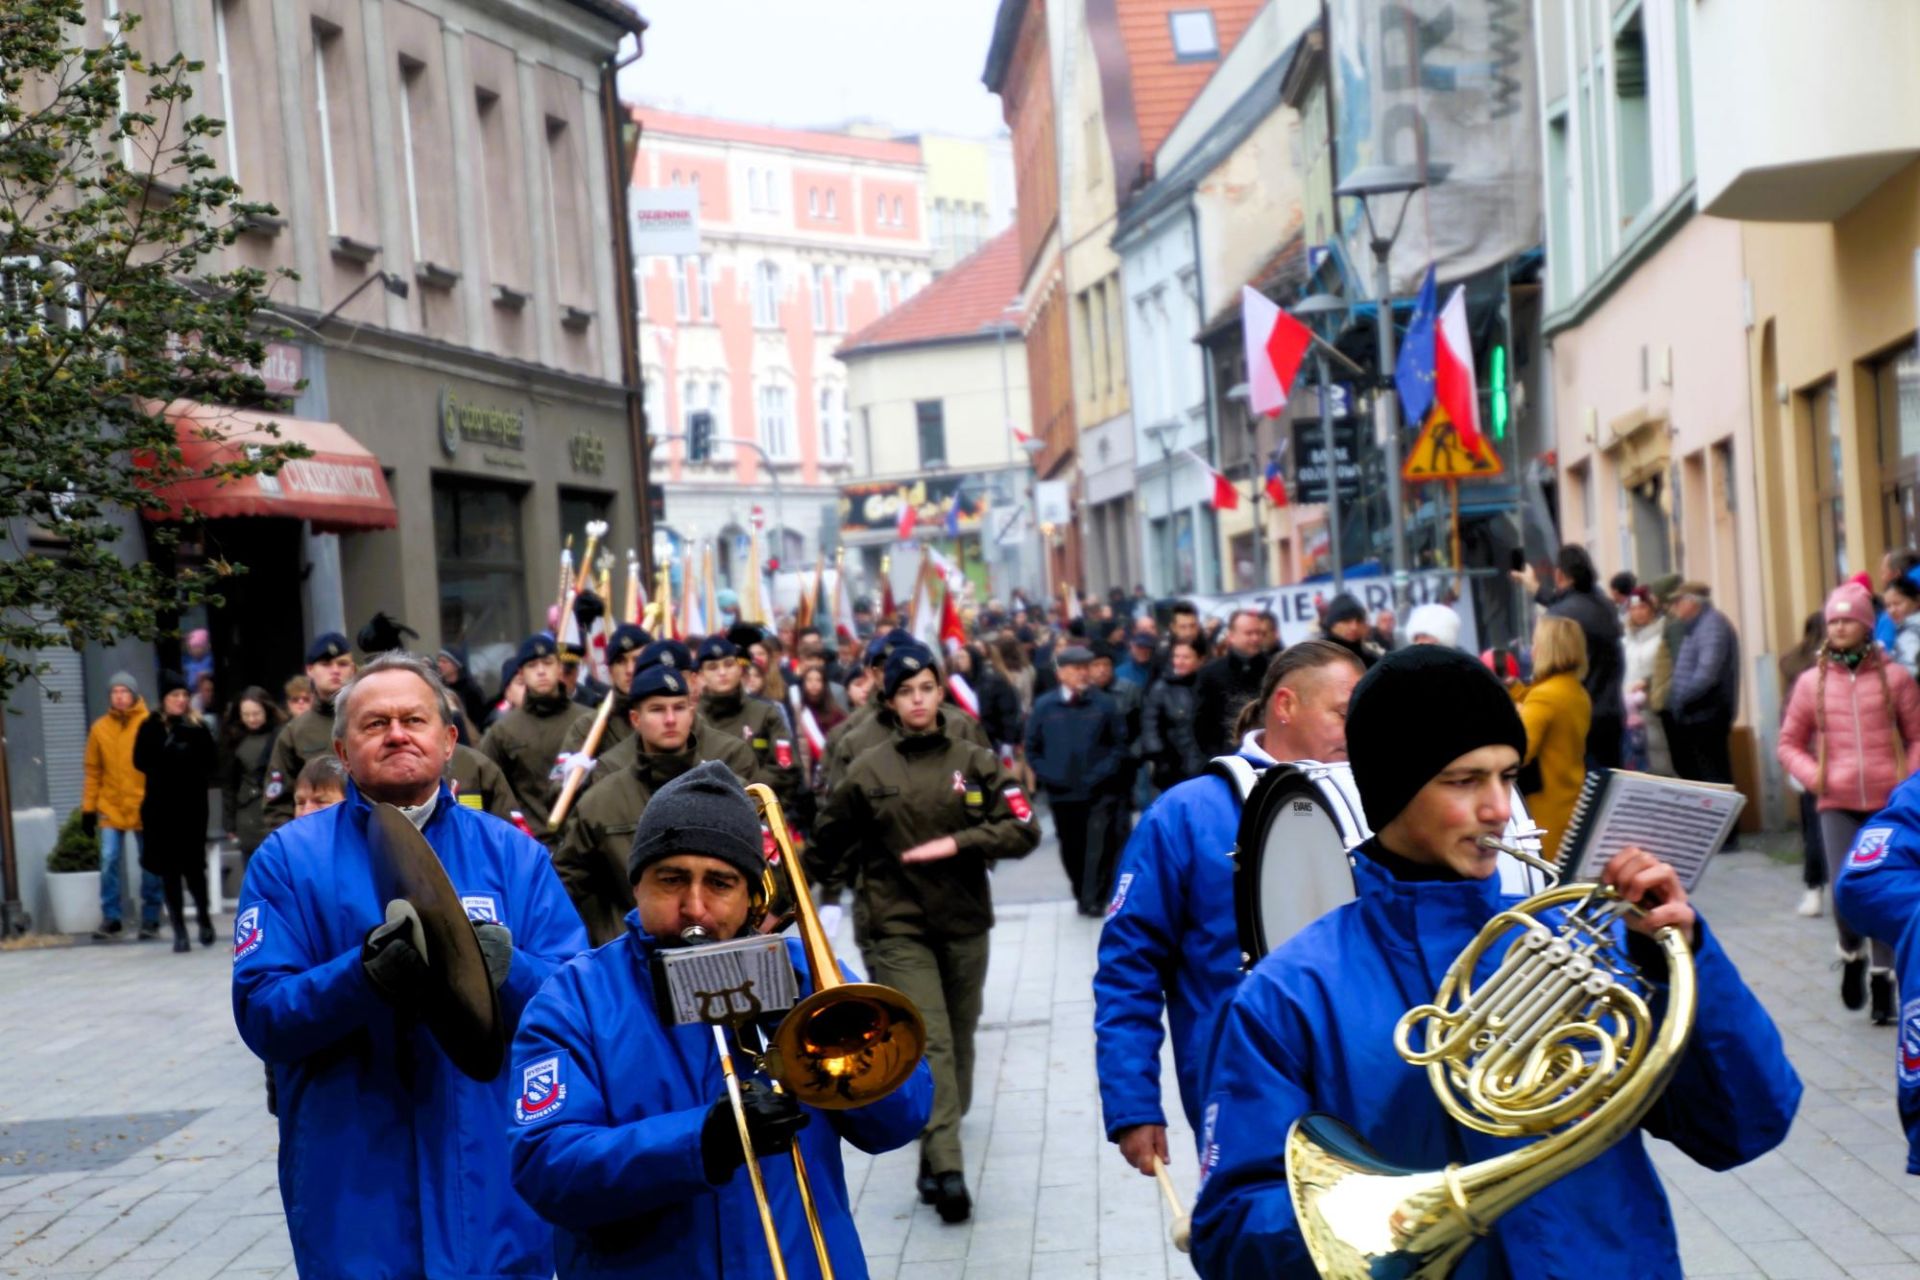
{"x":1170,"y":944}
{"x":1077,"y":747}
{"x":1879,"y":894}
{"x":1312,"y":1027}
{"x":621,"y":1132}
{"x":393,"y":1165}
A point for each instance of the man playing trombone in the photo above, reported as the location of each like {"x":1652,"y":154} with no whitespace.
{"x":622,"y":1133}
{"x":1434,"y":744}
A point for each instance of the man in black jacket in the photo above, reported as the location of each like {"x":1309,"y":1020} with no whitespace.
{"x":1077,"y":748}
{"x":1229,"y":682}
{"x":1573,"y":595}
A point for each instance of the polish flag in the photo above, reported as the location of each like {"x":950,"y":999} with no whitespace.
{"x":952,"y":634}
{"x":1276,"y":344}
{"x":1454,"y":384}
{"x":1225,"y":496}
{"x":908,"y":515}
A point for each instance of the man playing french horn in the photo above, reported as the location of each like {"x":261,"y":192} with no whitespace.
{"x":623,"y":1134}
{"x":1332,"y":1021}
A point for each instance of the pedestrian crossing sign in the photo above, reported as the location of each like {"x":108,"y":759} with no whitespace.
{"x":1439,"y":453}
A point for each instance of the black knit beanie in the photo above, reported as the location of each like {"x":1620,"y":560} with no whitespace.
{"x":704,"y":811}
{"x":1417,"y":711}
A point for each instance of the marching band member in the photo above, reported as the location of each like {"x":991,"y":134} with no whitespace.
{"x":392,"y":1162}
{"x":621,"y":1133}
{"x":591,"y":858}
{"x":526,"y":742}
{"x":1878,"y":892}
{"x":1435,"y":744}
{"x":921,"y":817}
{"x":1170,"y":944}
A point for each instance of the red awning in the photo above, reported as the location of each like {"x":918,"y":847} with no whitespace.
{"x":339,"y":489}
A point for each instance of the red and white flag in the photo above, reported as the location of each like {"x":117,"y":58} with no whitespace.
{"x":810,"y":731}
{"x":903,"y":530}
{"x":952,"y":634}
{"x":1276,"y":344}
{"x":1454,"y":385}
{"x":1225,"y":496}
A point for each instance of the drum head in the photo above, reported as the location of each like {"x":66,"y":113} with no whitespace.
{"x":1291,"y":865}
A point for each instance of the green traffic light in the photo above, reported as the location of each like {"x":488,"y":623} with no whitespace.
{"x":1497,"y":375}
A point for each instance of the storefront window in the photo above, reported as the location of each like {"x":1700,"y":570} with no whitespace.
{"x":1829,"y":474}
{"x":483,"y":570}
{"x":1896,"y":384}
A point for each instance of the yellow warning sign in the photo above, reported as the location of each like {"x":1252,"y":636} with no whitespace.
{"x":1440,"y":454}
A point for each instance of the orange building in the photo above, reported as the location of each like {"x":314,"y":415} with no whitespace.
{"x":805,"y":237}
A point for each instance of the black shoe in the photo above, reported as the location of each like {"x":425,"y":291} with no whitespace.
{"x":929,"y":1185}
{"x":180,"y":943}
{"x":1853,"y":982}
{"x":206,"y":932}
{"x":148,"y":932}
{"x":107,"y":932}
{"x":1882,"y":986}
{"x":953,"y":1204}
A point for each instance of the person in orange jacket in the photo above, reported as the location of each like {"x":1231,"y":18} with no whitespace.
{"x":110,"y":805}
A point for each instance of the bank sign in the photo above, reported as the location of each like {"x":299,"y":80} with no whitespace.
{"x":485,"y":425}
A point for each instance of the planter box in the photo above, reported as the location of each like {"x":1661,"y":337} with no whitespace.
{"x":75,"y":896}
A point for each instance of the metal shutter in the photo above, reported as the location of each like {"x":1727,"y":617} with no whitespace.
{"x":64,"y":726}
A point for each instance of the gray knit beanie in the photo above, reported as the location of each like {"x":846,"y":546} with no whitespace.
{"x":126,"y":681}
{"x":704,"y":811}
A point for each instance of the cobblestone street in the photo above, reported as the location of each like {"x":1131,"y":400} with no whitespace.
{"x":134,"y":1143}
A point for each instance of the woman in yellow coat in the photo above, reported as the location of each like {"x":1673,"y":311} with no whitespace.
{"x":1556,"y":710}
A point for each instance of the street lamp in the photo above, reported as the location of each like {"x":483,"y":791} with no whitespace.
{"x":1378,"y":185}
{"x":1164,"y":434}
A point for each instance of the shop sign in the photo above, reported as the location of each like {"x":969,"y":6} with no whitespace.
{"x":1053,"y":503}
{"x":874,"y":506}
{"x":1312,"y":466}
{"x":479,"y":424}
{"x":588,"y":452}
{"x":282,"y":368}
{"x":666,"y":221}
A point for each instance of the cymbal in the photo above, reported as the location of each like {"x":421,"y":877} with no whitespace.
{"x":463,"y":1014}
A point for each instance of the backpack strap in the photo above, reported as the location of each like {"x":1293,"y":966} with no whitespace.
{"x":1239,"y":773}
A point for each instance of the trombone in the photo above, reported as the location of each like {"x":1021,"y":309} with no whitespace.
{"x":844,"y":1046}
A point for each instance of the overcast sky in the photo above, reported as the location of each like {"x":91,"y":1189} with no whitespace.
{"x":911,"y":64}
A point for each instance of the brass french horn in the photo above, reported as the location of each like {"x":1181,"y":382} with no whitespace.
{"x":1558,"y":1042}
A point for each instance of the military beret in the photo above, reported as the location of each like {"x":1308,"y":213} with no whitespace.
{"x":626,"y":639}
{"x":746,"y":633}
{"x":535,"y":647}
{"x":327,"y":647}
{"x":884,"y":645}
{"x":658,"y":681}
{"x":906,"y":662}
{"x":717,"y":649}
{"x":670,"y":654}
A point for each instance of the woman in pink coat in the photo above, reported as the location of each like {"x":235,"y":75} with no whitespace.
{"x":1851,"y":733}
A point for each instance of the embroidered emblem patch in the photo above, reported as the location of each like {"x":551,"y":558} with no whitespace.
{"x":471,"y":800}
{"x":783,"y":753}
{"x":541,"y":1091}
{"x":1017,"y":801}
{"x":1870,"y":848}
{"x":1120,"y":893}
{"x":247,"y":933}
{"x":276,"y":785}
{"x":481,"y":909}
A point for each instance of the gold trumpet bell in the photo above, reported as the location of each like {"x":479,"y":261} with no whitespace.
{"x":846,"y":1046}
{"x":1363,"y":1218}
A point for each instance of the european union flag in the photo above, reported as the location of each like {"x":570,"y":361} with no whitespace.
{"x":953,"y":517}
{"x":1413,"y":371}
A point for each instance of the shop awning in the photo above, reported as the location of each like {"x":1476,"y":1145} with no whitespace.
{"x":339,"y":488}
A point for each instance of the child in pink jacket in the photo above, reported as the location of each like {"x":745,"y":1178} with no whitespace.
{"x":1851,"y":733}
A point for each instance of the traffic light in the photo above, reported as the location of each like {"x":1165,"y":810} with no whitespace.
{"x":699,"y":436}
{"x":1497,"y":382}
{"x":657,"y":502}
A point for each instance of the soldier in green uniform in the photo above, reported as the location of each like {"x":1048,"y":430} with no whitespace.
{"x":525,"y":742}
{"x":871,"y":731}
{"x":919,"y":819}
{"x":309,"y":734}
{"x":592,"y":855}
{"x":675,"y":657}
{"x":755,"y":721}
{"x":623,"y":652}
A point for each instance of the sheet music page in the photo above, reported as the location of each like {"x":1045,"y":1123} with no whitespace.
{"x":1681,"y":823}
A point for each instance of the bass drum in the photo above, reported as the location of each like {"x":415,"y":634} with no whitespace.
{"x":1293,"y":858}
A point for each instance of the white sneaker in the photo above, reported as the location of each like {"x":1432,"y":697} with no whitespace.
{"x":1811,"y":903}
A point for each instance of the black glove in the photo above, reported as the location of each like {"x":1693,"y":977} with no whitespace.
{"x":773,"y":1120}
{"x":496,"y":945}
{"x":588,"y":609}
{"x":89,"y":822}
{"x":393,"y":957}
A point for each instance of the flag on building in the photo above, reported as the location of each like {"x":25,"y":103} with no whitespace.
{"x":1454,"y":385}
{"x":953,"y":517}
{"x":1413,"y":370}
{"x":1276,"y":344}
{"x":1225,"y":496}
{"x":1276,"y":483}
{"x":903,"y":529}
